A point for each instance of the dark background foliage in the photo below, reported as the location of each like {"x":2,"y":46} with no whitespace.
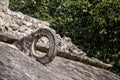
{"x":93,"y":25}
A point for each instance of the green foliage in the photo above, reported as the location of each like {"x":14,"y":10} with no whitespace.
{"x":93,"y":25}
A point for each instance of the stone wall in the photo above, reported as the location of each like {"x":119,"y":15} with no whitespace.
{"x":14,"y":64}
{"x":16,"y":25}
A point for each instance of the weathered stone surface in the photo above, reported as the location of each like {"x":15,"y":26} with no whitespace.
{"x":15,"y":65}
{"x":15,"y":25}
{"x":4,"y":5}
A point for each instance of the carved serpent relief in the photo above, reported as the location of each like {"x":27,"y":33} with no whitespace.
{"x":27,"y":44}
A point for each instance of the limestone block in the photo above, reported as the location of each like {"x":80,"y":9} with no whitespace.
{"x":4,"y":5}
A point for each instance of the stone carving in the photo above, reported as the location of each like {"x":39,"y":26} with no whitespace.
{"x":4,"y":5}
{"x":28,"y":43}
{"x":15,"y":26}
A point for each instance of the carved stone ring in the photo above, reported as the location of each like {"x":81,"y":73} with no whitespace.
{"x":28,"y":43}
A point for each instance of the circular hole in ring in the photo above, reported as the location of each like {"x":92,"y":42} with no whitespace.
{"x":42,"y":46}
